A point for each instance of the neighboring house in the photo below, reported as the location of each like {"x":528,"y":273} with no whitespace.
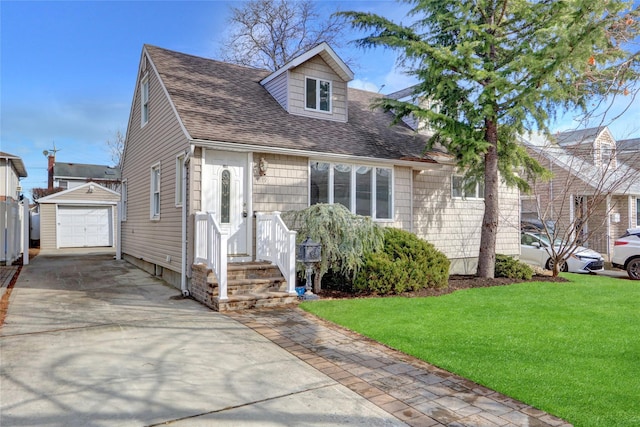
{"x":244,"y":144}
{"x":82,"y":216}
{"x":628,"y":151}
{"x":594,"y":195}
{"x":12,"y":213}
{"x":70,"y":175}
{"x":11,"y":170}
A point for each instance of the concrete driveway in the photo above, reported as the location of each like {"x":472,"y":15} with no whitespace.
{"x":90,"y":341}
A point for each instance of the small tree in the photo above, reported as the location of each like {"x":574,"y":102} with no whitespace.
{"x":345,"y":237}
{"x":269,"y":33}
{"x":37,"y":193}
{"x":115,"y":146}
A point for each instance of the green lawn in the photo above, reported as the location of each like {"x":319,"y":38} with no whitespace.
{"x":571,"y":349}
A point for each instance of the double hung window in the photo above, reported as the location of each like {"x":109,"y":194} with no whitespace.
{"x":318,"y":94}
{"x":144,"y":102}
{"x":462,"y":189}
{"x":155,"y":192}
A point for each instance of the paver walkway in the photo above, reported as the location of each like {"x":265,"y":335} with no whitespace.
{"x":414,"y":391}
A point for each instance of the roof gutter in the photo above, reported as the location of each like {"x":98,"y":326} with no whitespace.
{"x":422,"y":164}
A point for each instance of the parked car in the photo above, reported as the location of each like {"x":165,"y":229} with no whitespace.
{"x":535,"y":249}
{"x":533,"y":224}
{"x":626,"y":253}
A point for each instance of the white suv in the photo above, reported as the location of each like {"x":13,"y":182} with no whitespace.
{"x":626,"y":253}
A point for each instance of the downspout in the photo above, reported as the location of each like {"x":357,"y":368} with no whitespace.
{"x":608,"y":227}
{"x":183,"y":267}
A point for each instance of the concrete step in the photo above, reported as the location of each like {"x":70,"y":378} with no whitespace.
{"x":254,"y":300}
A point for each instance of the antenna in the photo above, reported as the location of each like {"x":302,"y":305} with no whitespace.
{"x":53,"y":151}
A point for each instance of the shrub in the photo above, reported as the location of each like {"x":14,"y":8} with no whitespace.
{"x":345,"y":237}
{"x":511,"y":268}
{"x":406,"y":263}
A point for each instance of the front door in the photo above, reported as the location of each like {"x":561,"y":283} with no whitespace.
{"x":226,"y":196}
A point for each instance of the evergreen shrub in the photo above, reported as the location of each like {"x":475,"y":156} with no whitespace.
{"x":511,"y":268}
{"x":406,"y":263}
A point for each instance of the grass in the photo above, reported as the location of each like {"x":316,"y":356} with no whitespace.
{"x":571,"y":349}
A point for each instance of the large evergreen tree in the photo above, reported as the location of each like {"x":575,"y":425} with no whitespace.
{"x":497,"y":68}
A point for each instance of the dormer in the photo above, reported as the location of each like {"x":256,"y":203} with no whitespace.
{"x":313,"y":84}
{"x":595,"y":145}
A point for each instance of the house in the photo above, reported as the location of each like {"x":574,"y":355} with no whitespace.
{"x":70,"y":175}
{"x":83,"y":216}
{"x":11,"y":170}
{"x":628,"y":151}
{"x":13,"y":222}
{"x":594,"y":195}
{"x":215,"y":151}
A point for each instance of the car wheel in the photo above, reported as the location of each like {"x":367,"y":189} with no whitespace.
{"x":563,"y":268}
{"x":633,"y":268}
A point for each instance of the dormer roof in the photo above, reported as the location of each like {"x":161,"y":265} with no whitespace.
{"x":581,"y":136}
{"x":326,"y":53}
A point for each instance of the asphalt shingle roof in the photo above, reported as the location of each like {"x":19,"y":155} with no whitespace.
{"x":79,"y":170}
{"x":218,"y":101}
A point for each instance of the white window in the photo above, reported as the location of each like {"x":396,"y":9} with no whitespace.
{"x":155,"y":192}
{"x":364,"y":190}
{"x":144,"y":102}
{"x":317,"y":94}
{"x":124,"y":202}
{"x":179,"y":178}
{"x":461,"y":189}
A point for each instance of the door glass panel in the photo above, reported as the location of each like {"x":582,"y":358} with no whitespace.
{"x":225,"y":197}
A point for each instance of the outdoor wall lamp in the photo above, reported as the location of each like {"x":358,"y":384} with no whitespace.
{"x":263,"y":165}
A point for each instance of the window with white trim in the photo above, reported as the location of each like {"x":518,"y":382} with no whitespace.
{"x":461,"y":189}
{"x":179,"y":178}
{"x":124,"y":201}
{"x":155,"y":192}
{"x":317,"y":94}
{"x":144,"y":101}
{"x":364,"y":190}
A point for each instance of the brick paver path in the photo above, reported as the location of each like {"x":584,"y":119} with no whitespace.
{"x":414,"y":391}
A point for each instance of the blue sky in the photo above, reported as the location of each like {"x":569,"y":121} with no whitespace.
{"x":68,"y":69}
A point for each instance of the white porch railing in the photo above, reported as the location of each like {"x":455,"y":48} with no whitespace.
{"x":211,"y":249}
{"x":277,"y":244}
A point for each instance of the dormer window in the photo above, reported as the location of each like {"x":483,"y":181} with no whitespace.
{"x":318,"y":94}
{"x":607,"y":158}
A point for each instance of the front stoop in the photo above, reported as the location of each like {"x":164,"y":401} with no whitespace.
{"x":249,"y":285}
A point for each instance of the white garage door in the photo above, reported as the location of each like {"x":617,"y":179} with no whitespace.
{"x":80,"y":226}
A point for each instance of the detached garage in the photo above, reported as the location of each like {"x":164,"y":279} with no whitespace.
{"x":84,"y":216}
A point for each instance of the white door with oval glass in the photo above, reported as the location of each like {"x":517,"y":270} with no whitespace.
{"x":224,"y":192}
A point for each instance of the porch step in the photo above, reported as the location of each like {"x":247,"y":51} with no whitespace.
{"x":255,"y":300}
{"x":250,"y":285}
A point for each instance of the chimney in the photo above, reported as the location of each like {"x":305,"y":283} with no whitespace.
{"x":52,"y":161}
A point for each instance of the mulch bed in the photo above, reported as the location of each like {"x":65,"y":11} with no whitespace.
{"x":456,"y":282}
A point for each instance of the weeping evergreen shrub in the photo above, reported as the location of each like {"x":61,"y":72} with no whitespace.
{"x":345,"y":237}
{"x":406,"y":263}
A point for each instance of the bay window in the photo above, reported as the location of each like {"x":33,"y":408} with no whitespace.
{"x":364,"y":190}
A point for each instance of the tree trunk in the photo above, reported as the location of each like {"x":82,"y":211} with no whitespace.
{"x":487,"y":254}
